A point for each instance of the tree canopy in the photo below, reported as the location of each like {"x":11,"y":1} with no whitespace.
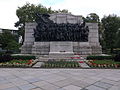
{"x":8,"y":41}
{"x":27,"y":13}
{"x":111,"y":25}
{"x":92,"y":18}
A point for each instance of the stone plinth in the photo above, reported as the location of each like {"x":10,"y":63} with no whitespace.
{"x":62,"y":49}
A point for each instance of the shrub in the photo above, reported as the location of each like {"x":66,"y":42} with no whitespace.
{"x":117,"y":58}
{"x":100,"y":57}
{"x":24,"y":57}
{"x":5,"y":58}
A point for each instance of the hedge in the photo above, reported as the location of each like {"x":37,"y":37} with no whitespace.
{"x":5,"y":58}
{"x":24,"y":57}
{"x":100,"y":57}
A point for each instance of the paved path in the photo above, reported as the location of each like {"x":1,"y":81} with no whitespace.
{"x":59,"y":79}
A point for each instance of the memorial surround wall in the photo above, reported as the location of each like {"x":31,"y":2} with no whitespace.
{"x":62,"y":47}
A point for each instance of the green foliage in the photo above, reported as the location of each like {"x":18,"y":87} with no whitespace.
{"x":99,"y":57}
{"x":111,"y":24}
{"x":92,"y":18}
{"x":117,"y":43}
{"x":5,"y":58}
{"x":8,"y":41}
{"x":24,"y":57}
{"x":13,"y":46}
{"x":27,"y":13}
{"x":105,"y":62}
{"x":117,"y":58}
{"x":60,"y":64}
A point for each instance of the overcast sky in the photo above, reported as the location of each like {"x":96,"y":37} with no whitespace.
{"x":78,"y":7}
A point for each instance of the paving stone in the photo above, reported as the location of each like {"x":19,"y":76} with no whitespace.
{"x":2,"y":78}
{"x":4,"y":82}
{"x":72,"y":87}
{"x":64,"y":82}
{"x":41,"y":83}
{"x":88,"y":80}
{"x":83,"y":89}
{"x":113,"y":78}
{"x":92,"y":87}
{"x":5,"y":86}
{"x":27,"y":87}
{"x":33,"y":80}
{"x":37,"y":89}
{"x":12,"y":88}
{"x":103,"y":85}
{"x":49,"y":87}
{"x":59,"y":78}
{"x":18,"y":82}
{"x":10,"y":77}
{"x":26,"y":77}
{"x":60,"y":89}
{"x":52,"y":80}
{"x":114,"y":88}
{"x":81,"y":84}
{"x":109,"y":81}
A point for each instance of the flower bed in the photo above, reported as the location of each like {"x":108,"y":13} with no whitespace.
{"x":60,"y":64}
{"x":103,"y":64}
{"x":17,"y":63}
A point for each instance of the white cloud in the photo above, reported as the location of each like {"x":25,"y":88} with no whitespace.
{"x":79,"y":7}
{"x":84,"y":7}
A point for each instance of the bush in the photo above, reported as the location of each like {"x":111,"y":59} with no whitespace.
{"x":5,"y":58}
{"x":117,"y":58}
{"x":100,"y":57}
{"x":23,"y":57}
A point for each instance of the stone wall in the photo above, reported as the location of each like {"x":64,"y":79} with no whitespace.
{"x":66,"y":18}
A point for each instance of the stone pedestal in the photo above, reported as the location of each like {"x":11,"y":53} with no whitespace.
{"x":41,"y":48}
{"x":82,"y":48}
{"x":63,"y":48}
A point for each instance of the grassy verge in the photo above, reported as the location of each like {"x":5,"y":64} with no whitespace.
{"x":103,"y":64}
{"x":17,"y":63}
{"x":60,"y":64}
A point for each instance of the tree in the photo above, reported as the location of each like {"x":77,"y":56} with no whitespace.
{"x":8,"y":40}
{"x":6,"y":37}
{"x":117,"y":43}
{"x":92,"y":18}
{"x":12,"y":46}
{"x":111,"y":24}
{"x":61,"y":11}
{"x":27,"y":13}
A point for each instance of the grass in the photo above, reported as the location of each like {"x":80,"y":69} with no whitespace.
{"x":61,"y":64}
{"x":105,"y":62}
{"x":17,"y":63}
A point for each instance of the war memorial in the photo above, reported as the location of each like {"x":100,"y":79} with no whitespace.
{"x":61,"y":34}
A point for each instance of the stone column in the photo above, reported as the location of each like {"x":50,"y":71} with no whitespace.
{"x":93,"y":38}
{"x":29,"y":38}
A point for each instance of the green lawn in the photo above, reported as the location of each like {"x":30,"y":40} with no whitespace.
{"x":60,"y":64}
{"x":105,"y":62}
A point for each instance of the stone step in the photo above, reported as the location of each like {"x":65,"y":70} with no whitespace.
{"x":38,"y":64}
